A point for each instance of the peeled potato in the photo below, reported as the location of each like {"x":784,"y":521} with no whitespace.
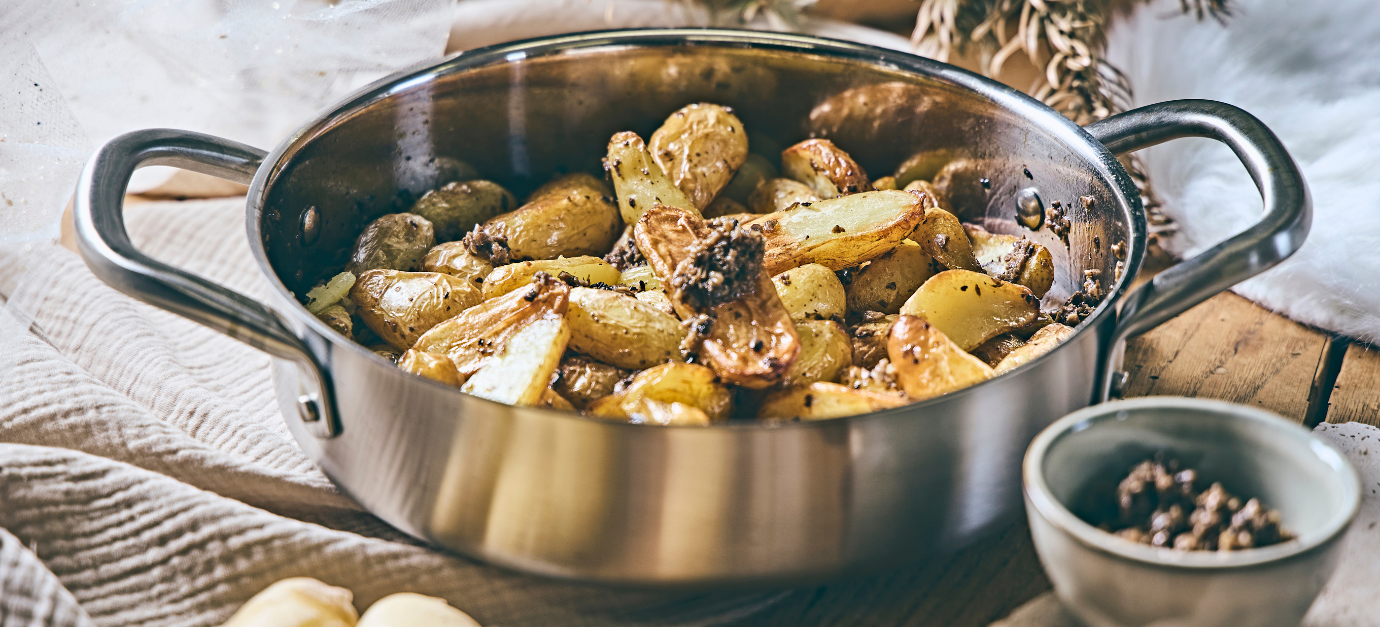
{"x":519,"y":373}
{"x":825,"y":352}
{"x":839,"y":233}
{"x":820,"y":400}
{"x":971,"y":307}
{"x":811,"y":292}
{"x":638,"y":181}
{"x":927,"y":363}
{"x":825,"y":168}
{"x":886,"y":283}
{"x":700,"y":147}
{"x":407,"y":609}
{"x":1012,"y":258}
{"x":621,"y":330}
{"x":297,"y":602}
{"x":691,"y":385}
{"x":1042,"y":342}
{"x":401,"y":306}
{"x":471,"y":338}
{"x":507,"y":278}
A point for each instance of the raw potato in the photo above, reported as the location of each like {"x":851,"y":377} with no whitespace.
{"x":970,"y":307}
{"x":519,"y":373}
{"x":820,"y":400}
{"x":723,"y":207}
{"x":825,"y":352}
{"x":886,"y":283}
{"x":621,"y":330}
{"x":927,"y":363}
{"x":923,"y":165}
{"x":869,"y":341}
{"x":839,"y":233}
{"x":811,"y":292}
{"x":408,"y":609}
{"x":455,"y":259}
{"x":779,"y":195}
{"x":507,"y":278}
{"x":471,"y":338}
{"x":994,"y":350}
{"x":641,"y":277}
{"x":1042,"y":342}
{"x":401,"y":306}
{"x":582,"y":380}
{"x":432,"y":366}
{"x":297,"y":602}
{"x":638,"y":181}
{"x":755,"y":171}
{"x":692,"y":385}
{"x":941,"y":236}
{"x":825,"y":168}
{"x":337,"y":318}
{"x":1012,"y":258}
{"x":572,"y":215}
{"x":700,"y":147}
{"x":397,"y":241}
{"x":455,"y":208}
{"x":330,"y":292}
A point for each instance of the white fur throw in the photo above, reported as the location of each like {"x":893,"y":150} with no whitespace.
{"x":1308,"y":70}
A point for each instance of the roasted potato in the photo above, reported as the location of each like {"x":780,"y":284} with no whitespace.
{"x":397,"y":241}
{"x":455,"y":208}
{"x":455,"y":259}
{"x":927,"y":363}
{"x":1012,"y":258}
{"x":1042,"y":342}
{"x":825,"y":168}
{"x":330,"y":292}
{"x":407,"y":609}
{"x":401,"y":306}
{"x":942,"y":237}
{"x":572,"y":215}
{"x":581,"y":380}
{"x":779,"y":195}
{"x":385,"y":351}
{"x":994,"y":350}
{"x":755,"y":171}
{"x":970,"y":307}
{"x":821,"y":400}
{"x":959,"y":183}
{"x":621,"y":330}
{"x":869,"y":341}
{"x":507,"y":278}
{"x":929,"y":189}
{"x":723,"y":207}
{"x":644,"y":411}
{"x":638,"y":181}
{"x":471,"y":338}
{"x":839,"y":233}
{"x":337,"y":318}
{"x":432,"y":366}
{"x":518,"y":374}
{"x":923,"y":165}
{"x":659,"y":300}
{"x":811,"y":292}
{"x":885,"y":283}
{"x":886,"y":182}
{"x":825,"y":352}
{"x":641,"y":278}
{"x":700,"y":147}
{"x":692,"y":385}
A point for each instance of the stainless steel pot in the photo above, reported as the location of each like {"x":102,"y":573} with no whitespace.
{"x":561,"y":495}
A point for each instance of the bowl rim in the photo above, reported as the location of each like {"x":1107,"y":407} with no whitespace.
{"x":1040,"y":500}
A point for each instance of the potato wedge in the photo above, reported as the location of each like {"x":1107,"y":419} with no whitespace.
{"x":886,"y":283}
{"x":1012,"y":258}
{"x":820,"y":400}
{"x":518,"y":374}
{"x":825,"y":168}
{"x":582,"y":380}
{"x":927,"y":363}
{"x":825,"y":352}
{"x":572,"y":215}
{"x":1042,"y":342}
{"x":779,"y":195}
{"x":839,"y":233}
{"x":455,"y":259}
{"x":471,"y":338}
{"x":659,"y":300}
{"x":811,"y":292}
{"x":700,"y":147}
{"x":401,"y":306}
{"x":994,"y":350}
{"x":648,"y":411}
{"x":942,"y":237}
{"x":432,"y":366}
{"x":724,"y":206}
{"x":970,"y":307}
{"x":869,"y":341}
{"x":691,"y":385}
{"x":641,"y":278}
{"x":455,"y":208}
{"x":621,"y":330}
{"x":638,"y":181}
{"x":923,"y":165}
{"x":397,"y":241}
{"x":513,"y":276}
{"x":755,"y":171}
{"x":337,"y":318}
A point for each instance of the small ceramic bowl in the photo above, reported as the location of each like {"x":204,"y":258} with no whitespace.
{"x":1106,"y":581}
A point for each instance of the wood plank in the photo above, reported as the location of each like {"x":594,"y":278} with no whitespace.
{"x":1356,"y":395}
{"x":1228,"y":348}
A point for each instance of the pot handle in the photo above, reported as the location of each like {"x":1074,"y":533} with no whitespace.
{"x":1278,"y":234}
{"x":105,"y":246}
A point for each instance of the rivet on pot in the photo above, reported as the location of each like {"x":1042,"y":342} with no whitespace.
{"x":311,"y":226}
{"x":1030,"y":212}
{"x":307,"y":409}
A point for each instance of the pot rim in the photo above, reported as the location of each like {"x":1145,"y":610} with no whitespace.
{"x":1102,"y":162}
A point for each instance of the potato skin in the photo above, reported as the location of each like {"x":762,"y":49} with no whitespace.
{"x":455,"y":259}
{"x":825,"y":168}
{"x":994,"y":350}
{"x":825,"y":352}
{"x":779,"y":195}
{"x":869,"y":341}
{"x":927,"y":363}
{"x":621,"y":330}
{"x":810,"y":292}
{"x":941,"y":235}
{"x":431,"y":366}
{"x":337,"y":318}
{"x":638,"y":181}
{"x":572,"y":215}
{"x":471,"y":338}
{"x":687,"y":384}
{"x":1012,"y":258}
{"x":455,"y":208}
{"x":401,"y":306}
{"x":886,"y":283}
{"x":700,"y":147}
{"x":1041,"y":342}
{"x":822,"y":400}
{"x":583,"y":380}
{"x":839,"y":233}
{"x":513,"y":276}
{"x":396,"y":241}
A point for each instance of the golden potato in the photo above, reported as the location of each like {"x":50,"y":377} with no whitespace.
{"x":401,"y":306}
{"x":572,"y":215}
{"x":638,"y":181}
{"x":811,"y":292}
{"x":455,"y":259}
{"x":825,"y":351}
{"x":723,"y":207}
{"x":825,"y":168}
{"x":755,"y":171}
{"x":397,"y":241}
{"x":385,"y":351}
{"x":518,"y":374}
{"x":646,"y":411}
{"x":297,"y":601}
{"x":839,"y":233}
{"x":970,"y":307}
{"x":821,"y":400}
{"x":455,"y":208}
{"x":513,"y":276}
{"x":994,"y":350}
{"x":1012,"y":258}
{"x":471,"y":338}
{"x":1042,"y":342}
{"x":942,"y":237}
{"x":432,"y":366}
{"x":923,"y":165}
{"x":700,"y":147}
{"x":928,"y":189}
{"x":779,"y":195}
{"x":927,"y":363}
{"x":692,"y":385}
{"x":582,"y":380}
{"x":886,"y":182}
{"x":621,"y":330}
{"x":337,"y":318}
{"x":659,"y":300}
{"x":885,"y":283}
{"x":869,"y":341}
{"x":408,"y":609}
{"x":330,"y":292}
{"x":551,"y":399}
{"x":641,"y":278}
{"x":959,"y":183}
